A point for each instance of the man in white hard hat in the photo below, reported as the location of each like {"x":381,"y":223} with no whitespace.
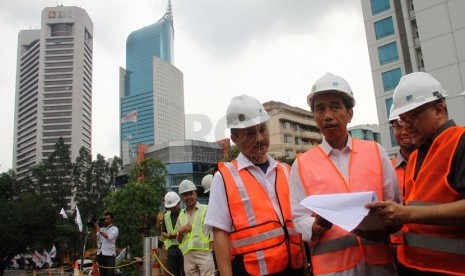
{"x":406,"y":147}
{"x":250,"y":214}
{"x":433,"y":216}
{"x":194,"y":237}
{"x":169,"y":232}
{"x":207,"y":183}
{"x":341,"y":164}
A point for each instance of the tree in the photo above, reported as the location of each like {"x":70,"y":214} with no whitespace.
{"x":27,"y":222}
{"x":137,"y":203}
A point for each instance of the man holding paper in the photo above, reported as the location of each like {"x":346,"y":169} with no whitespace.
{"x":341,"y":165}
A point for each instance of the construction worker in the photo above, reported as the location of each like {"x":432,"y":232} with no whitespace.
{"x":207,"y":183}
{"x":194,"y":237}
{"x":406,"y":147}
{"x":341,"y":164}
{"x":162,"y":253}
{"x":169,"y":232}
{"x":251,"y":219}
{"x":433,"y":216}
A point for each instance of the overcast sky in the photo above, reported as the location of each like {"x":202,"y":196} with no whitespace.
{"x":269,"y":49}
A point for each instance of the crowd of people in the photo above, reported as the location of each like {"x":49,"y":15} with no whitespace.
{"x":255,"y":224}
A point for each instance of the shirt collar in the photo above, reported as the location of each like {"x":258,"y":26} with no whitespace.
{"x":399,"y":159}
{"x":243,"y":162}
{"x":326,"y":147}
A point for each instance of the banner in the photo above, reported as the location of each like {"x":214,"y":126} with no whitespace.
{"x":131,"y":117}
{"x":38,"y":259}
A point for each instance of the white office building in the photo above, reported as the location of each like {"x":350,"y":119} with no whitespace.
{"x":405,"y":36}
{"x":53,"y":87}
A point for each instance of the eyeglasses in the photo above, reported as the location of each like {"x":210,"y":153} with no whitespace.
{"x":397,"y":124}
{"x":409,"y":117}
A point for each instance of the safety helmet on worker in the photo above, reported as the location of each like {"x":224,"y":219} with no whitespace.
{"x":207,"y":182}
{"x":392,"y":116}
{"x":331,"y":83}
{"x":244,"y":111}
{"x":186,"y":186}
{"x":171,"y":199}
{"x":414,"y":90}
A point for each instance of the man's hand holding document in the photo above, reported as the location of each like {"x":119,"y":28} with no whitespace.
{"x":347,"y":211}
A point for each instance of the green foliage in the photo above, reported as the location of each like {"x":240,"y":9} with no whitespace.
{"x":26,"y":221}
{"x":135,"y":206}
{"x":232,"y":154}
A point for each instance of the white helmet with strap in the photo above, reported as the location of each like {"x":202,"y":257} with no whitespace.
{"x":414,"y":90}
{"x":186,"y":186}
{"x":207,"y":182}
{"x":331,"y":83}
{"x":171,"y":199}
{"x":245,"y":111}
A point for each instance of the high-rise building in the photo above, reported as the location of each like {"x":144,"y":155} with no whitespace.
{"x":405,"y":36}
{"x":53,"y":87}
{"x":151,"y":88}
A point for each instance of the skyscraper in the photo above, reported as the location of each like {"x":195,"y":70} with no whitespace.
{"x":53,"y":87}
{"x":415,"y":35}
{"x":152,"y":87}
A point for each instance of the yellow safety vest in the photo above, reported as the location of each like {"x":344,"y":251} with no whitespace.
{"x":196,"y":238}
{"x":169,"y":228}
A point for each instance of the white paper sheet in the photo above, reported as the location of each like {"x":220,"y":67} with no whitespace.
{"x":345,"y":210}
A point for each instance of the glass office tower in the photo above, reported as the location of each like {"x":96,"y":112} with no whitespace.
{"x":152,"y":87}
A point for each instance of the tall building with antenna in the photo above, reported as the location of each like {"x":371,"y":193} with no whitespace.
{"x":53,"y":87}
{"x":151,"y":89}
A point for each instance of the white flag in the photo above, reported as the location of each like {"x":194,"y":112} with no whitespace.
{"x":38,"y":259}
{"x":46,"y":258}
{"x":63,"y":213}
{"x":121,"y":255}
{"x":131,"y":117}
{"x":53,"y":252}
{"x":78,"y":219}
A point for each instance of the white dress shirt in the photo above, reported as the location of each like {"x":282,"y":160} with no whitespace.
{"x":107,"y":246}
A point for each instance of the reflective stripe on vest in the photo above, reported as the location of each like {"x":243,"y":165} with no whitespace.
{"x":170,"y":230}
{"x":337,"y":249}
{"x":259,"y":236}
{"x":434,"y":248}
{"x":195,"y":239}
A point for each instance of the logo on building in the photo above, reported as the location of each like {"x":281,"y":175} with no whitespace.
{"x":52,"y":14}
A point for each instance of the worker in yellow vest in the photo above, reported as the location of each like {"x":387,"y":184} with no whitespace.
{"x":194,"y":237}
{"x":169,"y":232}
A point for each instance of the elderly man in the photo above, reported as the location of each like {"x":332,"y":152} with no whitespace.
{"x":433,"y":217}
{"x":251,"y":218}
{"x":341,"y":165}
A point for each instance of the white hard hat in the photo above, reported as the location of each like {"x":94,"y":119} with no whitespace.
{"x":392,"y":116}
{"x":207,"y":182}
{"x":331,"y":83}
{"x":245,"y":111}
{"x":414,"y":90}
{"x":186,"y":186}
{"x":171,"y":199}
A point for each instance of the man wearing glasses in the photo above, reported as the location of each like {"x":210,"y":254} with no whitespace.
{"x":433,"y":217}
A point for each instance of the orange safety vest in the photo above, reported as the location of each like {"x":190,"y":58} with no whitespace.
{"x":267,"y":246}
{"x":434,"y":248}
{"x":396,"y":238}
{"x":337,"y":249}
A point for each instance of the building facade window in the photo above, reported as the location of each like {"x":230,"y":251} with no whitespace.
{"x":391,"y":78}
{"x":393,"y":139}
{"x":388,"y":106}
{"x":378,"y":6}
{"x":388,"y":53}
{"x":287,"y":138}
{"x":384,"y":28}
{"x":288,"y":152}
